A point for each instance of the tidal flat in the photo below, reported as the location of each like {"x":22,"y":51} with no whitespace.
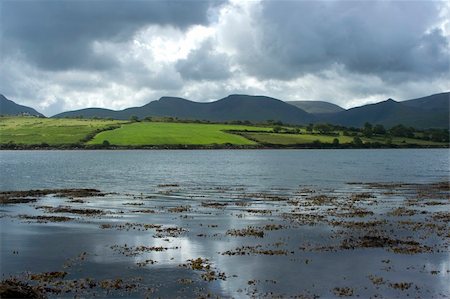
{"x":177,"y":240}
{"x":259,"y":223}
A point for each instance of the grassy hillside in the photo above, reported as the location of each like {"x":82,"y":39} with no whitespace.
{"x":293,"y":139}
{"x":403,"y":141}
{"x":290,"y":139}
{"x":33,"y":130}
{"x":155,"y":133}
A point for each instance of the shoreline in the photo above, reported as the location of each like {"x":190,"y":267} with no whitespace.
{"x":214,"y":147}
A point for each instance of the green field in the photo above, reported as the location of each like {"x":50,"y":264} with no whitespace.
{"x":33,"y":130}
{"x":158,"y":133}
{"x":403,"y":140}
{"x":291,"y":139}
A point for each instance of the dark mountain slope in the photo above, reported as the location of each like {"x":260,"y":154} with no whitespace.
{"x":426,"y":112}
{"x":8,"y":107}
{"x":233,"y":107}
{"x":316,"y":107}
{"x":88,"y":113}
{"x":169,"y":107}
{"x":257,"y":109}
{"x":435,"y":102}
{"x":390,"y":113}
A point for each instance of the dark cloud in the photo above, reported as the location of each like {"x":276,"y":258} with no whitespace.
{"x":59,"y":35}
{"x":386,"y":38}
{"x":204,"y":64}
{"x":67,"y":54}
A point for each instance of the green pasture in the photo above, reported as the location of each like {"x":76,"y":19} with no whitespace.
{"x":403,"y":140}
{"x":159,"y":133}
{"x":291,"y":139}
{"x":34,"y":130}
{"x":54,"y":132}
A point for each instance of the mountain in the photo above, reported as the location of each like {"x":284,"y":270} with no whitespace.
{"x":89,"y":113}
{"x":8,"y":107}
{"x":427,"y":112}
{"x":169,"y":107}
{"x":232,"y":107}
{"x":166,"y":106}
{"x":256,"y":108}
{"x":316,"y":107}
{"x":435,"y":102}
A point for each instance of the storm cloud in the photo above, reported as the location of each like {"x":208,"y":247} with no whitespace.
{"x":204,"y":63}
{"x":59,"y":55}
{"x":60,"y":35}
{"x":396,"y":40}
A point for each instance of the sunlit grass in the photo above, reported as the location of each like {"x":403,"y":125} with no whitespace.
{"x":290,"y":139}
{"x":159,"y":133}
{"x":33,"y":130}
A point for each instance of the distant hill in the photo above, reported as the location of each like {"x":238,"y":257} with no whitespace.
{"x":435,"y":102}
{"x":233,"y":107}
{"x":257,"y":108}
{"x":89,"y":113}
{"x":427,"y":112}
{"x":316,"y":107}
{"x":8,"y":107}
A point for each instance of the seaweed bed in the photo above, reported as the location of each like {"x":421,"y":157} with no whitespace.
{"x":290,"y":234}
{"x":11,"y":197}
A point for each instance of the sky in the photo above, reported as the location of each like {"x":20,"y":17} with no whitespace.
{"x":65,"y":55}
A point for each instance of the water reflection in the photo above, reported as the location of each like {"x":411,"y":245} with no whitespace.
{"x":315,"y":207}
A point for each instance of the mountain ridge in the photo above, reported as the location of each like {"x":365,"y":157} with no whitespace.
{"x":8,"y":107}
{"x":231,"y":108}
{"x":390,"y":113}
{"x":425,"y":112}
{"x":317,"y":107}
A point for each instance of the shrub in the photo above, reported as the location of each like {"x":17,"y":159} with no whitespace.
{"x":402,"y":131}
{"x":367,"y":130}
{"x":277,"y":129}
{"x":379,"y":129}
{"x":324,"y":128}
{"x":389,"y":140}
{"x":357,"y":141}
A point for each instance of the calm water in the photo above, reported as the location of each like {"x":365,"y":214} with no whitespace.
{"x":225,"y":176}
{"x":135,"y":171}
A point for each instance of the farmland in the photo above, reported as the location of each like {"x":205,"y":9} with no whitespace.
{"x":290,"y":139}
{"x":160,"y":133}
{"x":305,"y":138}
{"x":34,"y":132}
